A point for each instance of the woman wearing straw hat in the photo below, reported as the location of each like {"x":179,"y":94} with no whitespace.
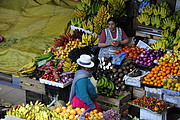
{"x":83,"y":92}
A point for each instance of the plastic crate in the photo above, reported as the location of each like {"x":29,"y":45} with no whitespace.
{"x":134,"y":81}
{"x":148,"y":115}
{"x":172,"y":99}
{"x":154,"y":92}
{"x":170,"y":92}
{"x":56,"y":84}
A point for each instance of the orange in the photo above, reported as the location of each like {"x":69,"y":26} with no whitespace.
{"x":155,"y":84}
{"x":158,"y":78}
{"x":58,"y":110}
{"x":95,"y":111}
{"x":151,"y":83}
{"x":72,"y":117}
{"x":153,"y":78}
{"x":73,"y":112}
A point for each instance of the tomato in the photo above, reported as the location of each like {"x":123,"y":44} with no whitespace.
{"x":133,"y":45}
{"x":142,"y":49}
{"x":126,"y":46}
{"x":138,"y":51}
{"x":127,"y":51}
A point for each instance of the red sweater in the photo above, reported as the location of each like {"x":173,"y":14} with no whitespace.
{"x":102,"y":38}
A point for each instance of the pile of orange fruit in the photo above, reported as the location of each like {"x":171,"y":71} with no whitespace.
{"x":71,"y":113}
{"x":160,"y":72}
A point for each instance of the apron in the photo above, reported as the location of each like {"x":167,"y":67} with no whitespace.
{"x":110,"y":50}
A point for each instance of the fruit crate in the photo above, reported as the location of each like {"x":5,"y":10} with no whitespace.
{"x":148,"y":115}
{"x":170,"y":92}
{"x":63,"y":93}
{"x":56,"y":84}
{"x":32,"y":85}
{"x":153,"y":92}
{"x":134,"y":81}
{"x":172,"y":99}
{"x":121,"y":103}
{"x":33,"y":96}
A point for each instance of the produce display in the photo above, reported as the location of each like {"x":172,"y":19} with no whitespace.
{"x":161,"y":16}
{"x":93,"y":15}
{"x":160,"y":72}
{"x":27,"y":69}
{"x":149,"y":57}
{"x":38,"y":111}
{"x":172,"y":84}
{"x":172,"y":57}
{"x":132,"y":51}
{"x":107,"y":72}
{"x":150,"y":103}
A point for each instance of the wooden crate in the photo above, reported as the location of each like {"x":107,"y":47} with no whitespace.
{"x":32,"y":85}
{"x":116,"y":102}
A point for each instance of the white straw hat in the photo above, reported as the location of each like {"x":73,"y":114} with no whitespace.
{"x":85,"y":61}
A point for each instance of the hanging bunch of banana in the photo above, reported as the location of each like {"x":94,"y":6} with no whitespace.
{"x":83,"y":5}
{"x":160,"y":44}
{"x":27,"y":69}
{"x":89,"y":39}
{"x":144,"y":18}
{"x":176,"y":18}
{"x":167,"y":8}
{"x":100,"y":20}
{"x":68,"y":65}
{"x":94,"y":8}
{"x":95,"y":39}
{"x":165,"y":33}
{"x":168,"y":23}
{"x":176,"y":41}
{"x":75,"y":21}
{"x":79,"y":14}
{"x":148,"y":10}
{"x":117,"y":7}
{"x":156,"y":21}
{"x":88,"y":25}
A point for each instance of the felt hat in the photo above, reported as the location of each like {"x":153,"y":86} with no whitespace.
{"x":85,"y":61}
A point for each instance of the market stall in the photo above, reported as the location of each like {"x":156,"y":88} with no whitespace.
{"x":144,"y":74}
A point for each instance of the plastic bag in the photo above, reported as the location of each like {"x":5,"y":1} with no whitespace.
{"x":143,"y":4}
{"x":117,"y":59}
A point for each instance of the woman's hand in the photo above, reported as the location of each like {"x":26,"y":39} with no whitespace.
{"x":116,"y":43}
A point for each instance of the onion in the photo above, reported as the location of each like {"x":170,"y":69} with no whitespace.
{"x":149,"y":61}
{"x":140,"y":58}
{"x":145,"y":63}
{"x":137,"y":61}
{"x":145,"y":59}
{"x":151,"y":58}
{"x":141,"y":62}
{"x":149,"y":64}
{"x":145,"y":56}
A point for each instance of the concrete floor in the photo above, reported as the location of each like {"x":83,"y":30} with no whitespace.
{"x":12,"y":95}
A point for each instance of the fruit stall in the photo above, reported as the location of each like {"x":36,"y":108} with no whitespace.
{"x":143,"y":75}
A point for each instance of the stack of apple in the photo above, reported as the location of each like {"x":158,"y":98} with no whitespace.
{"x":64,"y":51}
{"x":172,"y":57}
{"x":132,"y":51}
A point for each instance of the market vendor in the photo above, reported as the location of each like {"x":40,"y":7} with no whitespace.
{"x":83,"y":92}
{"x":111,"y":39}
